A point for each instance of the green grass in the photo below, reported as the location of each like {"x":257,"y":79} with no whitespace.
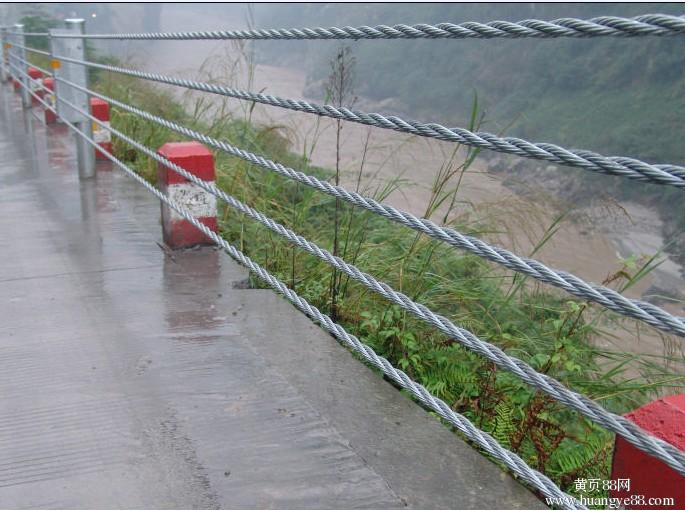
{"x":540,"y":326}
{"x":545,"y":328}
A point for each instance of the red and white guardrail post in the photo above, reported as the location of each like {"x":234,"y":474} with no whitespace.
{"x":100,"y":110}
{"x":651,"y":483}
{"x":199,"y":161}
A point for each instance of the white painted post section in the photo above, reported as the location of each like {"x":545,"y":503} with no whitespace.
{"x":20,"y":40}
{"x":75,"y":73}
{"x":4,"y":71}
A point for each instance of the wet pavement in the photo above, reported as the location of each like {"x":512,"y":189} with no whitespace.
{"x":132,"y":379}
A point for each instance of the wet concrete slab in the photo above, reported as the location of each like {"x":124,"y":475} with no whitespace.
{"x":131,"y":379}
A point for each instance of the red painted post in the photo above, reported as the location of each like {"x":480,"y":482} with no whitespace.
{"x":35,"y":84}
{"x":100,"y":110}
{"x":50,"y":116}
{"x":649,"y":477}
{"x":198,"y":160}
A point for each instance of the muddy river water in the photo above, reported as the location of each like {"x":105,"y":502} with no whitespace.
{"x":591,"y":249}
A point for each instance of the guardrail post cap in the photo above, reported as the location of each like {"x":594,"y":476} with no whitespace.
{"x":199,"y":161}
{"x":648,"y":476}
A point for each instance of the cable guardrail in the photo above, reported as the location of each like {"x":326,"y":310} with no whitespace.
{"x":33,"y":50}
{"x":609,"y":298}
{"x":31,"y":92}
{"x":460,"y":422}
{"x":645,"y":25}
{"x":672,"y":175}
{"x":27,"y":63}
{"x":30,"y":34}
{"x":659,"y":25}
{"x":552,"y":387}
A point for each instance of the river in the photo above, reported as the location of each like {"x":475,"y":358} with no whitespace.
{"x":591,"y":249}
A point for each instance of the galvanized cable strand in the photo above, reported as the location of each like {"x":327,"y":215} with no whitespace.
{"x":32,"y":93}
{"x":671,"y":175}
{"x":33,"y":50}
{"x":39,"y":83}
{"x":31,"y":34}
{"x":627,"y":429}
{"x":27,"y":63}
{"x":536,"y":479}
{"x":645,"y":25}
{"x":635,"y":309}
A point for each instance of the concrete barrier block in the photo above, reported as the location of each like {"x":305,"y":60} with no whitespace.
{"x":198,"y":160}
{"x":647,"y":477}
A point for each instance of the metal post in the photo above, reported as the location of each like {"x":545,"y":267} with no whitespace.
{"x":4,"y":52}
{"x":73,"y":48}
{"x":55,"y":72}
{"x":10,"y":57}
{"x":20,"y":40}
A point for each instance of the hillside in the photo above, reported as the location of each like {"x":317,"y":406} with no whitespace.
{"x":616,"y":96}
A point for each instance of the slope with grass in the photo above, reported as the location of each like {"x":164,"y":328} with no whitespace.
{"x":544,"y":328}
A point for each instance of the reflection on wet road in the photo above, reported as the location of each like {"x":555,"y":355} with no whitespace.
{"x":132,"y":378}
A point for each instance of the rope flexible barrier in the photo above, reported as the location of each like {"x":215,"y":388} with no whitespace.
{"x":645,"y":25}
{"x":27,"y":63}
{"x":31,"y":92}
{"x":33,"y":50}
{"x":30,"y":34}
{"x":671,"y":175}
{"x":660,"y":25}
{"x":460,"y":422}
{"x":542,"y":382}
{"x":635,"y":309}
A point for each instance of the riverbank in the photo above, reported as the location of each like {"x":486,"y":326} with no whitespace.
{"x":517,"y":206}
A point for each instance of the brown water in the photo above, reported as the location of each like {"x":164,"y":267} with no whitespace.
{"x":592,"y":249}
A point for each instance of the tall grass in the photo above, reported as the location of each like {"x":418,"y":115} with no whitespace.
{"x":545,"y":328}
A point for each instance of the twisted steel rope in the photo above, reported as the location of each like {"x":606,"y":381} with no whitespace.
{"x":461,"y":423}
{"x":627,"y":429}
{"x":30,"y":34}
{"x":42,"y":70}
{"x":32,"y":93}
{"x":671,"y":175}
{"x":40,"y":84}
{"x":604,"y":296}
{"x":33,"y":50}
{"x":647,"y":24}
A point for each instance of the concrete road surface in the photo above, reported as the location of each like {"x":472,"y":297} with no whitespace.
{"x":135,"y":380}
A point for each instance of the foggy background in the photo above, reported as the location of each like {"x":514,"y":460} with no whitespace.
{"x":616,"y":96}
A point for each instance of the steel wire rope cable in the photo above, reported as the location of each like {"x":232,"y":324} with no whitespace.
{"x":644,"y":25}
{"x":31,"y":34}
{"x":33,"y":50}
{"x":27,"y":63}
{"x":463,"y":424}
{"x":640,"y":310}
{"x":671,"y":175}
{"x":558,"y":391}
{"x":32,"y":93}
{"x":40,"y":84}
